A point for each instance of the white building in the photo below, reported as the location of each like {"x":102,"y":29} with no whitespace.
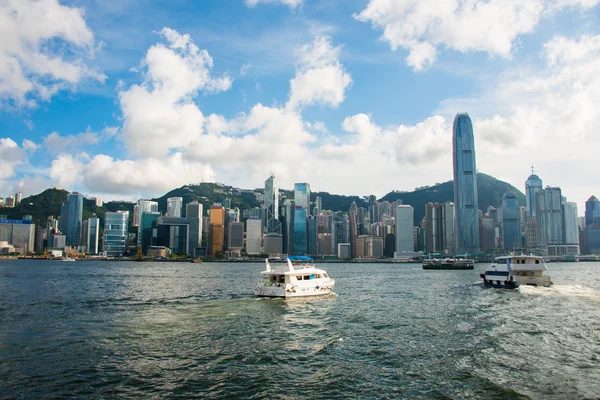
{"x":253,"y":235}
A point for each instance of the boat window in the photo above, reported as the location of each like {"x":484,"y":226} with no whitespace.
{"x":306,"y":277}
{"x":312,"y":277}
{"x":299,"y":277}
{"x":324,"y":275}
{"x":537,"y":261}
{"x":317,"y":276}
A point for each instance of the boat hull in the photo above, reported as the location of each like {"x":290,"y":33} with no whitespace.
{"x":289,"y":292}
{"x":448,"y":266}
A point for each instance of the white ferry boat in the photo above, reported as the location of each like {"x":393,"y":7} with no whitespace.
{"x":294,"y":276}
{"x":511,"y":271}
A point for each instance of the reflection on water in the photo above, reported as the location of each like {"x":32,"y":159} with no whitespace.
{"x":163,"y":330}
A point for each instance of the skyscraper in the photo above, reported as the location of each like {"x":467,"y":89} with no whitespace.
{"x":142,"y":206}
{"x":272,"y":206}
{"x":592,"y":212}
{"x":18,"y":197}
{"x":405,"y":242}
{"x":174,"y":206}
{"x":115,"y":233}
{"x":549,"y":215}
{"x":302,"y":196}
{"x":194,"y":210}
{"x":533,"y":184}
{"x":300,"y":233}
{"x":217,"y":229}
{"x":253,"y":235}
{"x":511,"y":221}
{"x":465,"y":185}
{"x":71,"y":215}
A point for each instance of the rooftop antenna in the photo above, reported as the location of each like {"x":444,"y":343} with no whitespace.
{"x":532,"y":169}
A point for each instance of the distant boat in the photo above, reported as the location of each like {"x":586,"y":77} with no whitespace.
{"x":448,"y":263}
{"x":67,"y":259}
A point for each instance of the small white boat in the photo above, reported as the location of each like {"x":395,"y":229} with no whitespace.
{"x":67,"y":259}
{"x":511,"y":271}
{"x":294,"y":276}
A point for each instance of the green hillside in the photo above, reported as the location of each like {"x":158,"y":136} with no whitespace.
{"x":49,"y":201}
{"x":489,"y":189}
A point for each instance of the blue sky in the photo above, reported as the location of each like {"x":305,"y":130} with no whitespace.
{"x":128,"y":99}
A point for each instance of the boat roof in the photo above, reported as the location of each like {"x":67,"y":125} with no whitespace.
{"x":300,"y":258}
{"x":303,"y":271}
{"x":520,"y":256}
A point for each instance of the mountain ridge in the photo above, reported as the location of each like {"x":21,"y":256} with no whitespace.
{"x":490,"y":192}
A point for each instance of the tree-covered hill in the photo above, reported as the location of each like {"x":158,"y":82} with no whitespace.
{"x":489,"y":189}
{"x":48,"y":202}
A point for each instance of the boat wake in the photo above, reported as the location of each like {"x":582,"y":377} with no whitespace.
{"x":562,"y":290}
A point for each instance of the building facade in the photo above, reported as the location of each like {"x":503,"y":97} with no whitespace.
{"x":511,"y":222}
{"x":71,"y":216}
{"x":115,"y":233}
{"x":271,"y":205}
{"x":465,"y":185}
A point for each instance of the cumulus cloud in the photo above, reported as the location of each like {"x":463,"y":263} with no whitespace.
{"x":43,"y":50}
{"x":160,"y":114}
{"x":320,"y":78}
{"x":11,"y":155}
{"x":57,"y":144}
{"x":491,"y":26}
{"x":290,"y":3}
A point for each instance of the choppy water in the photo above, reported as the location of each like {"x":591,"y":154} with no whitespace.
{"x":131,"y":330}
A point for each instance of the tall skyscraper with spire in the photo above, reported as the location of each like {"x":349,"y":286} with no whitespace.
{"x":533,"y":184}
{"x":271,"y":205}
{"x":465,"y":185}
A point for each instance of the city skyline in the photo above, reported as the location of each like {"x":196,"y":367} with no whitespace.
{"x":329,"y":94}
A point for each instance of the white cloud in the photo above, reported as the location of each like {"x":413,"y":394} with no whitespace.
{"x":320,"y":77}
{"x":543,"y":115}
{"x":147,"y":177}
{"x":11,"y":155}
{"x":290,"y":3}
{"x":65,"y":170}
{"x":42,"y":51}
{"x":492,"y":26}
{"x":160,"y":114}
{"x":57,"y":144}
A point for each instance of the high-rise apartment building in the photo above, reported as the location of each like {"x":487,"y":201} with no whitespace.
{"x":71,"y":215}
{"x":465,"y":185}
{"x":141,"y":207}
{"x":18,"y":198}
{"x":271,"y":205}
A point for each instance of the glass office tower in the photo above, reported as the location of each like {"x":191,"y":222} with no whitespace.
{"x":465,"y":185}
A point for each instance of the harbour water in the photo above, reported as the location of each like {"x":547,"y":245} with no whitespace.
{"x":164,"y":330}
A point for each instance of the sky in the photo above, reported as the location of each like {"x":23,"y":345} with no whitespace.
{"x":128,"y":99}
